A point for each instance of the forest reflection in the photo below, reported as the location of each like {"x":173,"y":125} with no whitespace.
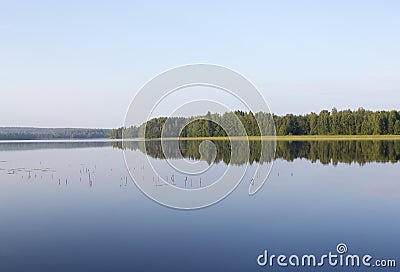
{"x":325,"y":152}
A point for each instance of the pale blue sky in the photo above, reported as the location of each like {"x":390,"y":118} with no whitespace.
{"x":79,"y":63}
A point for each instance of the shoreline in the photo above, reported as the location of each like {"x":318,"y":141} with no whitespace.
{"x":236,"y":138}
{"x":284,"y":138}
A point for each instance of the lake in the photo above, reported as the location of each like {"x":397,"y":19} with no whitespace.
{"x":73,"y":206}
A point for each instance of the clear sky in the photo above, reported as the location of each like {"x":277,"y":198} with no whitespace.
{"x":79,"y":63}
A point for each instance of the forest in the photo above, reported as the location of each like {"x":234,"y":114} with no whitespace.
{"x":30,"y":133}
{"x":240,"y":123}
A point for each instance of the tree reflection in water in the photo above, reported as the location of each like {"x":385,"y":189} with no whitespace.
{"x":326,"y":152}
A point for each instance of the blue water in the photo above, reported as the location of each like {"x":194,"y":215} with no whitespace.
{"x":56,"y":218}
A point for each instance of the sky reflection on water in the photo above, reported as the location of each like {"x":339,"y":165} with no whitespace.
{"x":80,"y":211}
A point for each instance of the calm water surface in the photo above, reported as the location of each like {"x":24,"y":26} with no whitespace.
{"x":68,"y":206}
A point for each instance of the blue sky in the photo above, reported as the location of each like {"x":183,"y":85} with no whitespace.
{"x":79,"y":63}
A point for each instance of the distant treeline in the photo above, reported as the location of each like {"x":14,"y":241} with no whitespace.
{"x":27,"y":133}
{"x":345,"y":122}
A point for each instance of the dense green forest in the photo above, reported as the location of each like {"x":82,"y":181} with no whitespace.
{"x":28,"y":133}
{"x":334,"y":122}
{"x":326,"y":152}
{"x":238,"y":123}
